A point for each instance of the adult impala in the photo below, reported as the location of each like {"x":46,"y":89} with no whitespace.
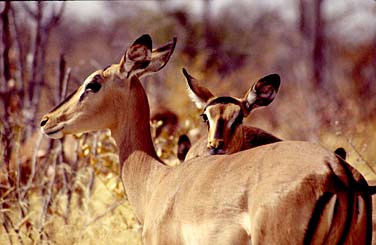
{"x":224,"y":117}
{"x":282,"y":193}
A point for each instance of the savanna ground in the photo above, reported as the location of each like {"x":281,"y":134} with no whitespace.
{"x":68,"y":191}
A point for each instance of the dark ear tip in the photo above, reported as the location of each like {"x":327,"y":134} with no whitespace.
{"x":341,"y":152}
{"x":274,"y":79}
{"x":185,"y":72}
{"x":277,"y":76}
{"x":188,"y":77}
{"x":277,"y":79}
{"x":172,"y":42}
{"x":144,"y":40}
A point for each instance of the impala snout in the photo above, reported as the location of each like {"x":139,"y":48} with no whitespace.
{"x":43,"y":121}
{"x":216,"y":146}
{"x":51,"y":128}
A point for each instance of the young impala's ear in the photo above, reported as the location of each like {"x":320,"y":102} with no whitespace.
{"x":198,"y":94}
{"x":137,"y":57}
{"x":262,"y":92}
{"x":159,"y":58}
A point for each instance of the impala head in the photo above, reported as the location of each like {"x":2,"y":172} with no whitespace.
{"x":91,"y":106}
{"x":224,"y":114}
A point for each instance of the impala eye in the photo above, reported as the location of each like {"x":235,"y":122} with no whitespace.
{"x":93,"y":87}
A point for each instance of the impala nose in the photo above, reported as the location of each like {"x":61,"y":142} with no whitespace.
{"x":44,"y":121}
{"x":216,"y":146}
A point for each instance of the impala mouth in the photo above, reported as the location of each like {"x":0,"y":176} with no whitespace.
{"x":55,"y":133}
{"x":216,"y":151}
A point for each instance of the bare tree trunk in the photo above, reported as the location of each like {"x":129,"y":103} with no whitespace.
{"x":5,"y":129}
{"x":6,"y":41}
{"x":67,"y":179}
{"x":7,"y":93}
{"x":312,"y":29}
{"x":21,"y":69}
{"x":307,"y":66}
{"x":305,"y":19}
{"x":319,"y":45}
{"x":211,"y":41}
{"x":44,"y":25}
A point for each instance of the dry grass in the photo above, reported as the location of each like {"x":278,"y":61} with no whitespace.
{"x":98,"y":215}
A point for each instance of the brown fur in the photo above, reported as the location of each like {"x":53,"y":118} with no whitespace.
{"x":248,"y":137}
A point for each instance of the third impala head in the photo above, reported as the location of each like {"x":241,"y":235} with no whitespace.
{"x":93,"y":106}
{"x":224,"y":114}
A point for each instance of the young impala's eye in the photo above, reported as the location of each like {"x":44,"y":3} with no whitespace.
{"x":93,"y":87}
{"x":204,"y":118}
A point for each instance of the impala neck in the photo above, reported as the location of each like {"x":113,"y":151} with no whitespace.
{"x":131,"y":129}
{"x":139,"y":163}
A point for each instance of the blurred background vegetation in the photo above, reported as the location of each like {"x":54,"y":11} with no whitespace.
{"x":68,"y":191}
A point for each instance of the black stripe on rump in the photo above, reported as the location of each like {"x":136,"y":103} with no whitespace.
{"x":316,"y":216}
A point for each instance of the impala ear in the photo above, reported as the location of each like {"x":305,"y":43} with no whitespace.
{"x":262,"y":92}
{"x":159,"y":58}
{"x":137,"y":57}
{"x":198,"y":94}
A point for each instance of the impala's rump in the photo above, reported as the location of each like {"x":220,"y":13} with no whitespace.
{"x":273,"y":182}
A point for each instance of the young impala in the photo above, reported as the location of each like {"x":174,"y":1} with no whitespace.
{"x":224,"y":117}
{"x":282,"y":193}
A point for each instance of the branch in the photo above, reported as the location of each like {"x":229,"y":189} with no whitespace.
{"x":49,"y":188}
{"x":55,"y":18}
{"x":110,"y":209}
{"x":63,"y":79}
{"x":7,"y":41}
{"x":360,"y":155}
{"x":28,"y":10}
{"x":33,"y":164}
{"x":21,"y":57}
